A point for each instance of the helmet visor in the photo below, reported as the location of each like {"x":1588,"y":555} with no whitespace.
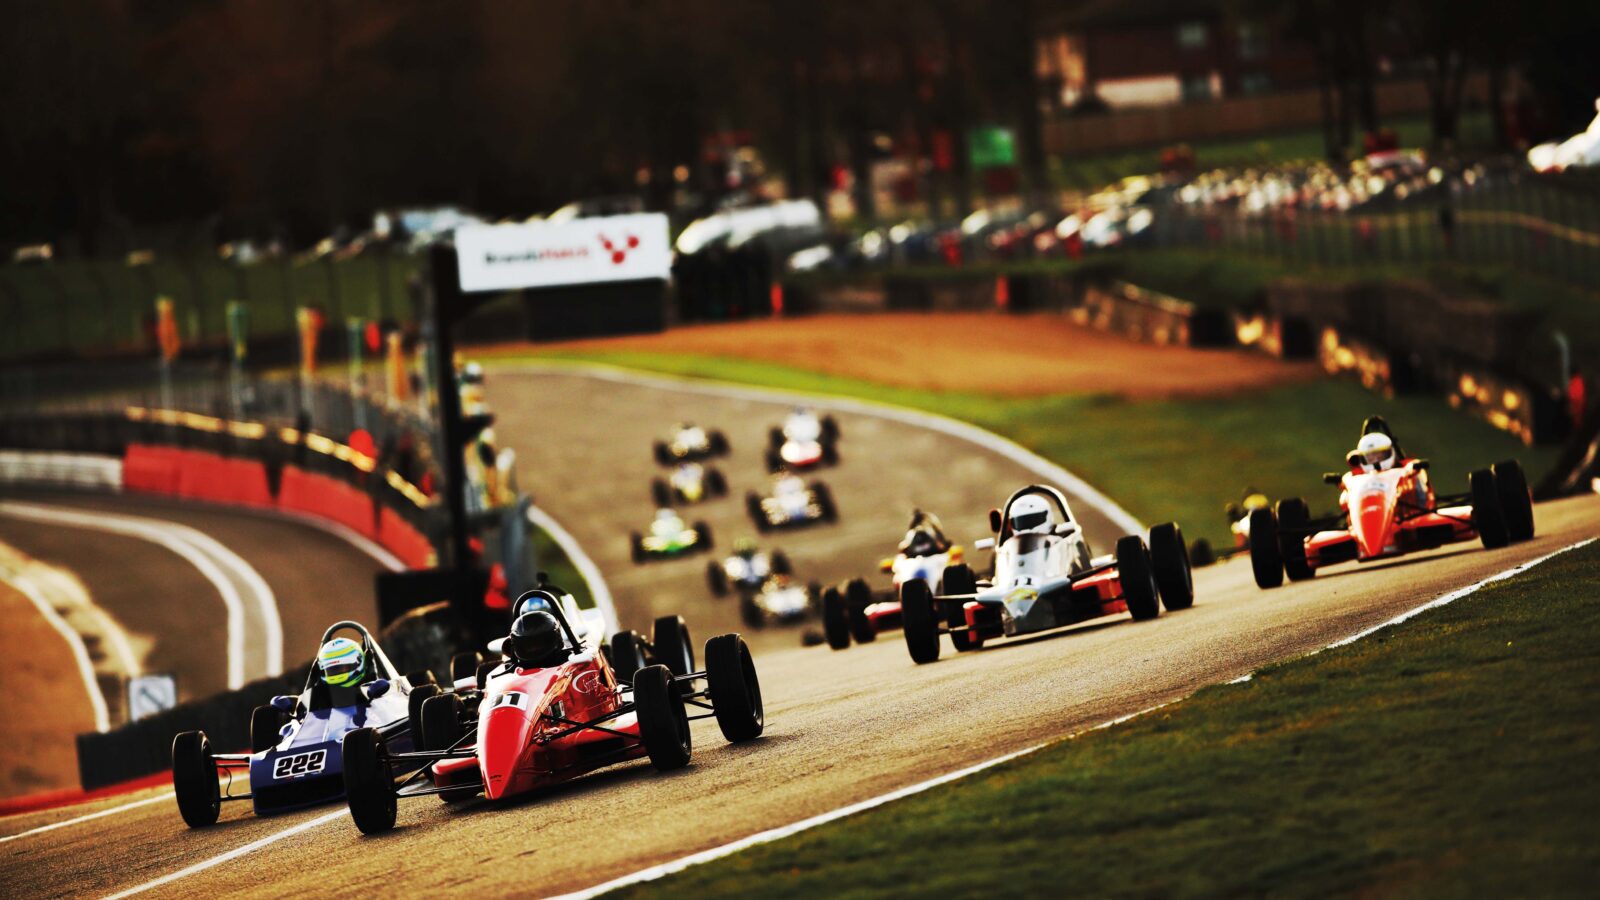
{"x":1378,"y":455}
{"x":341,"y":672}
{"x":1029,"y":521}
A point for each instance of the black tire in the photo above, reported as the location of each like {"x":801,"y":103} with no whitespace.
{"x":1293,"y":518}
{"x":1169,"y":557}
{"x":857,"y":597}
{"x":421,"y":677}
{"x":464,"y":665}
{"x":663,"y":455}
{"x":958,"y":579}
{"x":418,"y":697}
{"x":752,"y":505}
{"x":1516,"y":501}
{"x":830,"y":430}
{"x":702,"y":533}
{"x":1201,"y":554}
{"x":717,"y":579}
{"x":636,"y":546}
{"x":1266,"y":556}
{"x":1137,"y":574}
{"x":774,"y":438}
{"x":719,"y":443}
{"x":627,"y":655}
{"x":368,"y":781}
{"x":774,"y":461}
{"x":750,"y":612}
{"x":918,"y":621}
{"x":670,"y":638}
{"x":264,"y":724}
{"x":780,"y":563}
{"x":835,"y":619}
{"x":194,"y":779}
{"x":1487,"y":515}
{"x":663,"y":721}
{"x":660,"y":493}
{"x":716,"y":484}
{"x":830,"y":453}
{"x":830,"y":513}
{"x":735,"y":690}
{"x":441,"y":722}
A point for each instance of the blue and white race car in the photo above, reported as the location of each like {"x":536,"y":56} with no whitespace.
{"x":295,"y":758}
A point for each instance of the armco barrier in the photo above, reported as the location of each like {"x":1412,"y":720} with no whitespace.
{"x":404,"y":540}
{"x":153,"y":470}
{"x":327,"y":498}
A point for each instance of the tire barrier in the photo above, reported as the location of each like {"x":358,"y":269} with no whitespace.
{"x":1151,"y":317}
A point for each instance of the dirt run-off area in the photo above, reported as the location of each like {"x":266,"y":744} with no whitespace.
{"x":994,"y":353}
{"x":46,"y":702}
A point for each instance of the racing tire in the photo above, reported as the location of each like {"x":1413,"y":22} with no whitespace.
{"x":1266,"y":554}
{"x":663,"y":720}
{"x":464,"y":665}
{"x":750,"y":612}
{"x":780,"y":563}
{"x":775,"y":438}
{"x":830,"y":513}
{"x":636,"y":546}
{"x":1137,"y":575}
{"x":194,"y":779}
{"x":441,"y":722}
{"x":835,"y":619}
{"x":1169,"y":557}
{"x":702,"y":535}
{"x":830,"y":453}
{"x":774,"y":461}
{"x":717,"y":579}
{"x":752,"y":505}
{"x":627,"y":656}
{"x":368,"y":782}
{"x":830,"y":430}
{"x":418,"y":697}
{"x":918,"y":621}
{"x":719,"y":443}
{"x":265,"y":721}
{"x":958,"y":579}
{"x":1293,"y":518}
{"x":735,"y":690}
{"x":1516,"y":501}
{"x":716,"y":484}
{"x":660,"y":493}
{"x":1201,"y":554}
{"x":857,"y":597}
{"x":1488,"y":517}
{"x":670,"y":638}
{"x":421,"y":677}
{"x":663,"y":454}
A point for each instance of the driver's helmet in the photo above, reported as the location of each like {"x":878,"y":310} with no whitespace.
{"x":665,"y":515}
{"x":341,"y":662}
{"x":536,"y":640}
{"x":1030,"y":513}
{"x":472,"y":373}
{"x":1254,"y":500}
{"x":744,"y":547}
{"x":535,"y":601}
{"x":1377,"y":450}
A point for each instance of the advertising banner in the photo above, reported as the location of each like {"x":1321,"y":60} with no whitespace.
{"x":580,"y":251}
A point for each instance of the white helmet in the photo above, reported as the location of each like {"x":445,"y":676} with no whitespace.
{"x":1030,"y":513}
{"x":1376,"y":449}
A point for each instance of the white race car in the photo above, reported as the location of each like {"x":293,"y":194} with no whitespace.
{"x":804,"y":441}
{"x":689,"y":483}
{"x":690,"y":443}
{"x":855,"y":610}
{"x":791,"y":503}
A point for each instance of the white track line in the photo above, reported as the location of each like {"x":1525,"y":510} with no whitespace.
{"x":988,"y":440}
{"x":266,"y":600}
{"x":235,"y":853}
{"x":156,"y":532}
{"x":585,"y":566}
{"x":80,"y":653}
{"x":87,"y":818}
{"x":678,"y":865}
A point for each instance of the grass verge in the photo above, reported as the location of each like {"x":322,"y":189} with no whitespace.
{"x":1179,"y":460}
{"x":1452,"y":755}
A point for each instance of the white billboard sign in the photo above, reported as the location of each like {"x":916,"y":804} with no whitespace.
{"x":547,"y":254}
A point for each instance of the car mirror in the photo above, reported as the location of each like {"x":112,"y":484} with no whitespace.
{"x":983,"y":544}
{"x":886,"y":565}
{"x":1066,"y":529}
{"x":1332,"y":477}
{"x":497,"y":646}
{"x":994,"y":522}
{"x":375,"y":689}
{"x":285,"y":702}
{"x":1419,"y":464}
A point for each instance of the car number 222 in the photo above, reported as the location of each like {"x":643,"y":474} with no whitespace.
{"x":300,"y":764}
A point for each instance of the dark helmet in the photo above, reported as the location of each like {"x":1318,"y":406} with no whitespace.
{"x":536,"y":640}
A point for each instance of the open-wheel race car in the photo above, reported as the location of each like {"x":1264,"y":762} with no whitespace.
{"x":669,"y":538}
{"x":767,"y":592}
{"x":791,"y":503}
{"x":1045,"y":577}
{"x":804,"y":441}
{"x":554,"y":709}
{"x":688,"y":483}
{"x":295,"y":757}
{"x":1387,"y":507}
{"x":690,"y":443}
{"x":855,"y":610}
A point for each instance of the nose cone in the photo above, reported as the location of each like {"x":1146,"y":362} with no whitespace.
{"x":504,"y":741}
{"x":1371,"y":523}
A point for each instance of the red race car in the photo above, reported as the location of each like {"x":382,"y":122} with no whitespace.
{"x":552,"y":710}
{"x":1387,"y":507}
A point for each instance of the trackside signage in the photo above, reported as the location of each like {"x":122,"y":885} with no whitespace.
{"x":581,"y":251}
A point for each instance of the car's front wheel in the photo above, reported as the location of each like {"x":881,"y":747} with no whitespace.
{"x":857,"y":597}
{"x":1488,"y":517}
{"x":194,"y":779}
{"x":1137,"y":577}
{"x":835,"y":619}
{"x":663,"y":720}
{"x":1266,"y":555}
{"x":1169,"y":556}
{"x":368,"y":781}
{"x":918,"y":621}
{"x":735,"y":689}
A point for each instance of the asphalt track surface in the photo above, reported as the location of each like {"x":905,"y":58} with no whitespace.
{"x":155,"y":594}
{"x":842,"y":727}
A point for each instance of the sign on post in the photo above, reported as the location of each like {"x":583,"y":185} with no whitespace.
{"x":581,"y":251}
{"x":150,"y":694}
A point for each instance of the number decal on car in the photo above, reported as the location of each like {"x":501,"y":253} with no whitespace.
{"x":300,"y":764}
{"x":512,"y":698}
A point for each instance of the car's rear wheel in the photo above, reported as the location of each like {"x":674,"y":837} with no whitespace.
{"x":857,"y":597}
{"x":368,"y":781}
{"x":830,"y":453}
{"x":717,"y":579}
{"x":716,"y":484}
{"x":421,"y":677}
{"x":627,"y":655}
{"x":750,"y":612}
{"x":825,"y":501}
{"x":441,"y":721}
{"x":719,"y":443}
{"x":418,"y":697}
{"x":194,"y":779}
{"x":660,"y":493}
{"x":752,"y":505}
{"x":1138,"y":578}
{"x":1266,"y":556}
{"x":835,"y":619}
{"x":1515,"y":499}
{"x":918,"y":621}
{"x":735,"y":689}
{"x":830,"y":429}
{"x":663,"y":720}
{"x":774,"y":461}
{"x":702,"y":536}
{"x":670,"y":638}
{"x":1294,"y":518}
{"x":958,"y":579}
{"x":780,"y":563}
{"x":1169,"y":557}
{"x":636,"y":546}
{"x":663,"y":454}
{"x":1488,"y":517}
{"x":265,"y":721}
{"x":464,"y":665}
